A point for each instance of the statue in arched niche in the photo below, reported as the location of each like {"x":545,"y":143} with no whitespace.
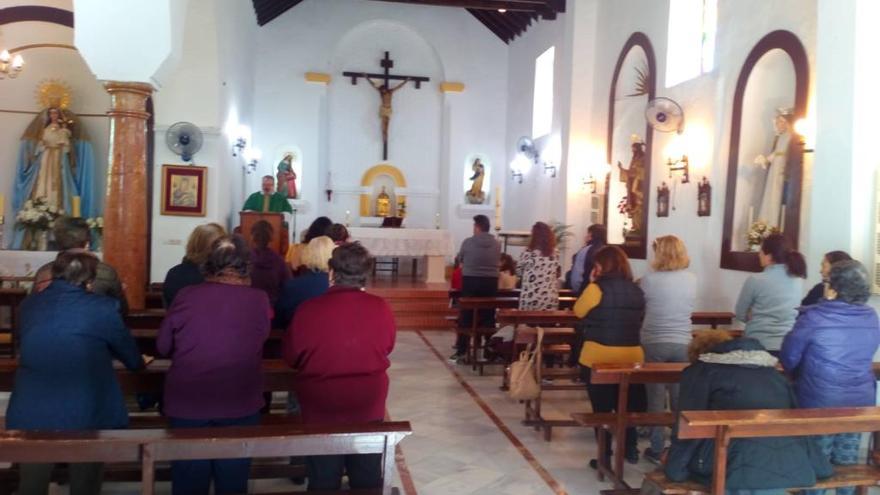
{"x":475,"y":195}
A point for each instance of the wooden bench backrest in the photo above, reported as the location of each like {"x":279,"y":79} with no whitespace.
{"x":778,"y":422}
{"x":277,"y":377}
{"x":151,"y":446}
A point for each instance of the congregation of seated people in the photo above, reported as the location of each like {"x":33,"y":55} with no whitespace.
{"x":225,"y":298}
{"x":825,"y":343}
{"x":222,"y":302}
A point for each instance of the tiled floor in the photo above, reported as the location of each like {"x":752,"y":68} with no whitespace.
{"x":457,"y":448}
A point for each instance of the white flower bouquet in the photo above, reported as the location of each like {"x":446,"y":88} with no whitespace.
{"x":37,"y":215}
{"x":96,"y":223}
{"x":758,"y":231}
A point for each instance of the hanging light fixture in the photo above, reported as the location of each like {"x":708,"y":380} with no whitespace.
{"x":10,"y":66}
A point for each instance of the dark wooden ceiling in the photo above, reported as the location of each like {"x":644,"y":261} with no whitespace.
{"x":506,"y":18}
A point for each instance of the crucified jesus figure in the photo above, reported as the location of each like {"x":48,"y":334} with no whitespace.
{"x":385,"y":108}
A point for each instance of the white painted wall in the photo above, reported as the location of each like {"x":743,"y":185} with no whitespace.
{"x":600,"y":29}
{"x":337,"y":126}
{"x":213,"y":95}
{"x":87,"y":97}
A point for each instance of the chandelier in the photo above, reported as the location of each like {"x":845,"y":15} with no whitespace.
{"x":10,"y":66}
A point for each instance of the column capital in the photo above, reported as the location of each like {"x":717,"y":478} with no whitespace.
{"x":128,"y":99}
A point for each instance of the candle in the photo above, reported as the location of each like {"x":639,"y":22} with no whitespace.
{"x":2,"y":205}
{"x":437,"y":221}
{"x":782,"y":219}
{"x":497,"y":207}
{"x":751,"y":216}
{"x":347,"y":217}
{"x":76,"y":203}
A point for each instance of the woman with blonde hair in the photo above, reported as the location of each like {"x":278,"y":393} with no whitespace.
{"x":670,"y":291}
{"x":312,"y":281}
{"x":188,"y":272}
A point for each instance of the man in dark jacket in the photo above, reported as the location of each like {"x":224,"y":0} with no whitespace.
{"x":830,"y":350}
{"x":735,"y":375}
{"x":479,"y":256}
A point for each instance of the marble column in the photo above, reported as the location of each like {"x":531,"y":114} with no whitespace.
{"x":125,"y":211}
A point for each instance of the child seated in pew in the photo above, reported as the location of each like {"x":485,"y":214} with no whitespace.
{"x":507,"y":279}
{"x":733,"y":374}
{"x":829,"y":354}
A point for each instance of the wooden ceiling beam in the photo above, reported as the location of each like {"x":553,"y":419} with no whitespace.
{"x":509,"y":5}
{"x":507,"y":20}
{"x":484,"y":18}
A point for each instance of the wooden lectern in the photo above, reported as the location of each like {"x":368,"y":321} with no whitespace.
{"x":276,"y":220}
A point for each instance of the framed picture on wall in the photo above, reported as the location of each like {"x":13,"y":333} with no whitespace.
{"x":184,"y":190}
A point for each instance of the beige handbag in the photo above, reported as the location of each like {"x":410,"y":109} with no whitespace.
{"x":523,"y":372}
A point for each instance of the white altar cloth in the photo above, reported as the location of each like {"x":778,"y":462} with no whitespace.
{"x":14,"y":263}
{"x":433,"y":244}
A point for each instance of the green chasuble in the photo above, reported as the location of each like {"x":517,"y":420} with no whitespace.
{"x":277,"y":203}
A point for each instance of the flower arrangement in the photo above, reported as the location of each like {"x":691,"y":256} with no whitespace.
{"x":758,"y":231}
{"x":37,"y":215}
{"x":96,"y":223}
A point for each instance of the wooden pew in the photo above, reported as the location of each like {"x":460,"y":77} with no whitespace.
{"x":146,"y":340}
{"x":144,"y":318}
{"x":724,"y":426}
{"x":11,"y":298}
{"x":554,"y":337}
{"x":624,"y":375}
{"x":277,"y":377}
{"x":149,"y":447}
{"x":231,"y":443}
{"x":454,"y":294}
{"x":476,"y":333}
{"x":712,"y":318}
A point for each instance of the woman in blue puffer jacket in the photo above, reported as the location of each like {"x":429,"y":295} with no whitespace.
{"x":830,"y":350}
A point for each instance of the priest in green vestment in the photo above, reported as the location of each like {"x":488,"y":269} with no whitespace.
{"x":267,"y":200}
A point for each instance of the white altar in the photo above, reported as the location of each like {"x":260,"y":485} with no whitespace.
{"x":14,"y":263}
{"x":434,"y":245}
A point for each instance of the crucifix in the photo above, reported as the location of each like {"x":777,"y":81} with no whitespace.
{"x":386,"y":91}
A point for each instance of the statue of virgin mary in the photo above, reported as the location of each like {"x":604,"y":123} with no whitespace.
{"x":55,"y":159}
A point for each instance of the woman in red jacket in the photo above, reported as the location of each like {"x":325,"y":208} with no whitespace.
{"x":339,"y":343}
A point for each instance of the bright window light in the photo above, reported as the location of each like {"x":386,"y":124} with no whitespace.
{"x":542,"y":104}
{"x":691,"y":43}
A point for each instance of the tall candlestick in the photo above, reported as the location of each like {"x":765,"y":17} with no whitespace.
{"x":76,"y":203}
{"x":497,"y":207}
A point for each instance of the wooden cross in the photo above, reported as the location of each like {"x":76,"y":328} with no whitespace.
{"x":380,"y":82}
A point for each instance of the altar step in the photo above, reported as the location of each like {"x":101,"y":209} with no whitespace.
{"x":417,"y":309}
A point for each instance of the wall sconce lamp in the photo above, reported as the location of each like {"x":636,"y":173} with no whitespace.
{"x":806,"y":131}
{"x":519,"y":166}
{"x":518,"y":176}
{"x":592,"y":182}
{"x":238,"y":146}
{"x":252,"y":158}
{"x":680,"y":165}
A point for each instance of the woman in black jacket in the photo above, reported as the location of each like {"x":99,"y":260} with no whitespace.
{"x":733,"y":375}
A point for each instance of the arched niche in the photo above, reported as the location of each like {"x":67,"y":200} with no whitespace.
{"x":633,"y":84}
{"x":775,"y":75}
{"x":374,"y":179}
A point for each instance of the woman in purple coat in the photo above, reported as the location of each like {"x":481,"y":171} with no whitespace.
{"x":214,"y":334}
{"x":830,"y":350}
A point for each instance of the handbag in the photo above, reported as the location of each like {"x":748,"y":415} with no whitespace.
{"x":523,"y":373}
